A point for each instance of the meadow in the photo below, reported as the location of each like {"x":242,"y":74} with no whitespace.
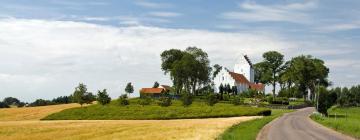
{"x":344,"y":120}
{"x":134,"y":111}
{"x":25,"y":124}
{"x":249,"y":130}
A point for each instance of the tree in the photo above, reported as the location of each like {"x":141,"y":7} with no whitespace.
{"x":186,"y":99}
{"x":89,"y":98}
{"x":234,"y":90}
{"x":217,"y":68}
{"x":11,"y":101}
{"x":272,"y":64}
{"x":221,"y":91}
{"x":102,"y":97}
{"x":211,"y":99}
{"x":123,"y":100}
{"x":156,"y":84}
{"x":62,"y":100}
{"x":4,"y":105}
{"x":129,"y":88}
{"x":325,"y":100}
{"x":79,"y":94}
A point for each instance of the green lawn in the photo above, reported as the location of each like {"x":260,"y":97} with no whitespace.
{"x":249,"y":130}
{"x":347,"y":120}
{"x":137,"y":112}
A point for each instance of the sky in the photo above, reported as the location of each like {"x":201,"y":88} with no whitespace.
{"x":48,"y":47}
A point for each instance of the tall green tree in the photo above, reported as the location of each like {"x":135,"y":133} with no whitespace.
{"x":270,"y":68}
{"x":79,"y":94}
{"x":129,"y":88}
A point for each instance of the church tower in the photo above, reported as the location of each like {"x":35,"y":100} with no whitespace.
{"x":245,"y":67}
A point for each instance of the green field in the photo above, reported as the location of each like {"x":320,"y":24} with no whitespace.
{"x":347,"y":120}
{"x":135,"y":111}
{"x":249,"y":130}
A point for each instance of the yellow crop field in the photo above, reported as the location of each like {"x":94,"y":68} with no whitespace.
{"x":24,"y":123}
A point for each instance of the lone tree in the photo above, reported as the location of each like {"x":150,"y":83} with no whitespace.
{"x":129,"y":88}
{"x":270,"y":68}
{"x":156,"y":84}
{"x":102,"y":97}
{"x":80,"y":94}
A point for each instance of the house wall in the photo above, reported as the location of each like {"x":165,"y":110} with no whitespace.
{"x":223,"y":77}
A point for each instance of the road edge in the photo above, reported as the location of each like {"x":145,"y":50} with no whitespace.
{"x":263,"y":132}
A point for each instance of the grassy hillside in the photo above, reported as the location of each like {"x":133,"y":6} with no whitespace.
{"x":347,"y":120}
{"x":249,"y":130}
{"x":137,"y":112}
{"x":31,"y":113}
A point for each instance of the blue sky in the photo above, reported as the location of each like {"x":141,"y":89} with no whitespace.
{"x":48,"y":46}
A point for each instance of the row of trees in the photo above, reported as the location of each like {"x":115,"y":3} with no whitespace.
{"x":11,"y":101}
{"x":295,"y":77}
{"x":189,"y":69}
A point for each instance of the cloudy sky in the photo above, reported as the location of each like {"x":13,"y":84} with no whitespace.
{"x":47,"y":47}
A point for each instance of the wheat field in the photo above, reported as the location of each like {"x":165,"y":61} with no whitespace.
{"x":24,"y":123}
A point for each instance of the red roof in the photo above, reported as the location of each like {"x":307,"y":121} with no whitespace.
{"x":152,"y":90}
{"x":166,"y":87}
{"x":239,"y":78}
{"x":258,"y":87}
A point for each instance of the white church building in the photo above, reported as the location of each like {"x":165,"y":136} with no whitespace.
{"x":242,"y":77}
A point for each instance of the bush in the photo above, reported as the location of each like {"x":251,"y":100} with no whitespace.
{"x":145,"y":100}
{"x":280,"y":100}
{"x":325,"y":101}
{"x":186,"y":99}
{"x":211,"y":99}
{"x":226,"y":97}
{"x":270,"y":99}
{"x":3,"y":105}
{"x":266,"y":113}
{"x":237,"y":100}
{"x":123,"y":100}
{"x":164,"y":101}
{"x":103,"y":98}
{"x":41,"y":102}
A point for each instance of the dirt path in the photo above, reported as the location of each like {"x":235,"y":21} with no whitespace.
{"x":298,"y":126}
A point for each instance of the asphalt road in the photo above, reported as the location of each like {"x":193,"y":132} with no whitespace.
{"x":298,"y":126}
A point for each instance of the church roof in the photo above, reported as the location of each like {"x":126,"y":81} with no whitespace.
{"x":258,"y":86}
{"x":239,"y":78}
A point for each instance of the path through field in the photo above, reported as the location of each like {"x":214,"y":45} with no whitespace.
{"x":111,"y":129}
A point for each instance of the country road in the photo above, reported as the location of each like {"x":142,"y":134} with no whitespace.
{"x":298,"y":126}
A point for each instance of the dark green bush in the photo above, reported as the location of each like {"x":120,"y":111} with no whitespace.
{"x":123,"y":100}
{"x":266,"y":113}
{"x":145,"y":100}
{"x":3,"y":105}
{"x":226,"y":97}
{"x":164,"y":101}
{"x":237,"y":100}
{"x":280,"y":100}
{"x":211,"y":99}
{"x":186,"y":99}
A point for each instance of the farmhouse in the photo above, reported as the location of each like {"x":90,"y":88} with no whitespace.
{"x":242,"y":77}
{"x":155,"y":92}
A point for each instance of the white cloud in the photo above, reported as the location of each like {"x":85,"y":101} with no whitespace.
{"x":294,"y":12}
{"x":45,"y":59}
{"x":339,"y":27}
{"x":154,"y":5}
{"x":165,"y":14}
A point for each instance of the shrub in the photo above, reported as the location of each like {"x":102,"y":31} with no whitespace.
{"x":11,"y":101}
{"x":237,"y":100}
{"x":103,"y":98}
{"x":123,"y":100}
{"x":41,"y":102}
{"x":270,"y":99}
{"x":164,"y":101}
{"x":266,"y":113}
{"x":211,"y":99}
{"x":325,"y":101}
{"x":226,"y":97}
{"x":186,"y":99}
{"x":280,"y":100}
{"x":145,"y":100}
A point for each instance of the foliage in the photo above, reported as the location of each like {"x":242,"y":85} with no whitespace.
{"x":164,"y":101}
{"x":135,"y":111}
{"x":41,"y":102}
{"x":145,"y":100}
{"x":188,"y":69}
{"x":79,"y":94}
{"x":237,"y":100}
{"x":156,"y":84}
{"x":4,"y":105}
{"x":324,"y":101}
{"x":123,"y":100}
{"x":129,"y":88}
{"x":217,"y":68}
{"x":211,"y":99}
{"x":270,"y":68}
{"x":11,"y":101}
{"x":249,"y":130}
{"x":102,"y":97}
{"x":226,"y":97}
{"x":186,"y":99}
{"x":62,"y":100}
{"x":89,"y":98}
{"x":279,"y":100}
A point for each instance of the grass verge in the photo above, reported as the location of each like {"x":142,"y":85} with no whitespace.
{"x":249,"y":130}
{"x":344,"y":120}
{"x":134,"y":111}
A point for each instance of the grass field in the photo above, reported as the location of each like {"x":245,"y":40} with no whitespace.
{"x":249,"y":130}
{"x":347,"y":120}
{"x":137,"y":112}
{"x":31,"y":113}
{"x":23,"y":127}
